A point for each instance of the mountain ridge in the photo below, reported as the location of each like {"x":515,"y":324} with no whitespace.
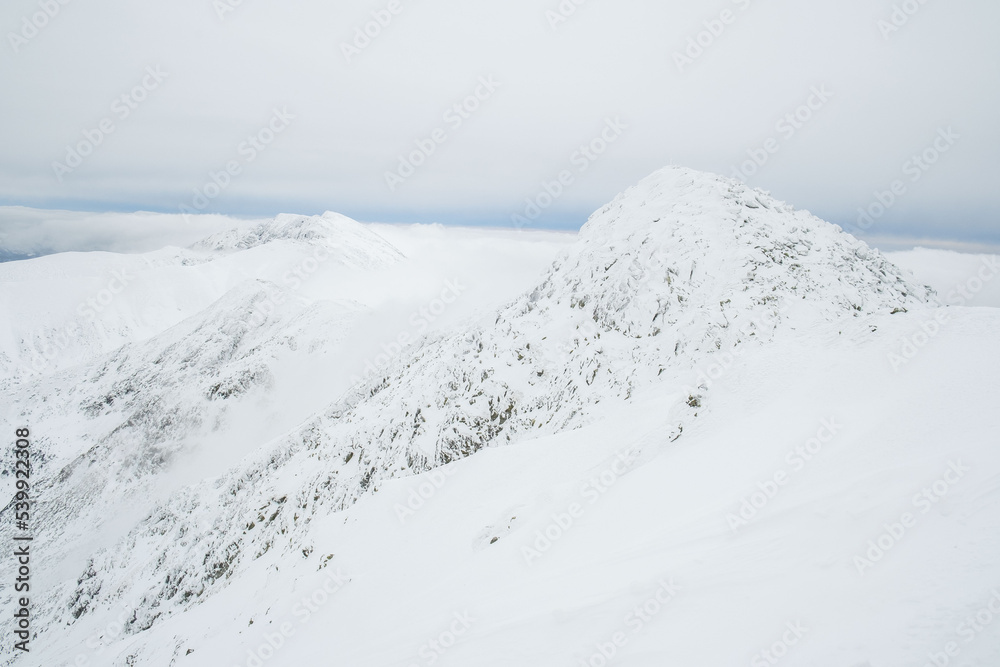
{"x":638,"y":301}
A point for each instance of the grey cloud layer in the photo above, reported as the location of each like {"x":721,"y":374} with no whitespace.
{"x":705,"y":86}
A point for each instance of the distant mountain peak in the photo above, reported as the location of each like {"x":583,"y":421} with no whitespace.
{"x":356,"y":244}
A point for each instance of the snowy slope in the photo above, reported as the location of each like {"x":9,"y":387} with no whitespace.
{"x":684,"y":271}
{"x":665,"y":519}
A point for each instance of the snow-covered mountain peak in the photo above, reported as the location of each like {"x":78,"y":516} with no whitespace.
{"x":350,"y":241}
{"x":683,"y":245}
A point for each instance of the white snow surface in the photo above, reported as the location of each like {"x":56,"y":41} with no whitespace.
{"x":579,"y":460}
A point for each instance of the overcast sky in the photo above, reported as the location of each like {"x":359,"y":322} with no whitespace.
{"x":201,"y":77}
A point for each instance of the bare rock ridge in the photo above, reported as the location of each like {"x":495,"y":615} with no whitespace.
{"x":679,"y":268}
